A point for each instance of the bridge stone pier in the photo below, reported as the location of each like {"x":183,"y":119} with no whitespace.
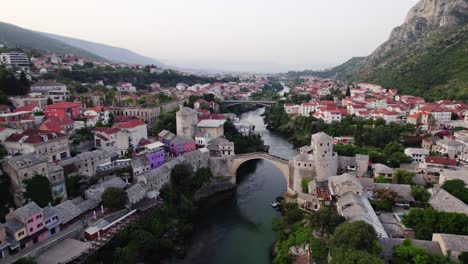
{"x":227,"y":166}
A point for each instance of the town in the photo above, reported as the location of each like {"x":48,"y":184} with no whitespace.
{"x":67,"y":150}
{"x":234,"y":132}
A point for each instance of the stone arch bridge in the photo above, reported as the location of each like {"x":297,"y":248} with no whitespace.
{"x":228,"y":166}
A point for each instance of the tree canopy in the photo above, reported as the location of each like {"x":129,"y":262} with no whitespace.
{"x":38,"y":189}
{"x":114,"y":198}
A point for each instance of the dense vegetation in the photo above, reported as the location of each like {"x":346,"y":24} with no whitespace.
{"x":438,"y":69}
{"x":427,"y":221}
{"x":407,"y":253}
{"x":457,"y":188}
{"x":355,"y":242}
{"x":366,"y":132}
{"x":140,"y":79}
{"x":165,"y":121}
{"x":242,"y":144}
{"x":11,"y":85}
{"x":162,"y":233}
{"x":114,"y":198}
{"x":38,"y":189}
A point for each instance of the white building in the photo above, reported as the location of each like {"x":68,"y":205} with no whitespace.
{"x":417,"y":154}
{"x":15,"y":59}
{"x":291,"y":109}
{"x":125,"y":87}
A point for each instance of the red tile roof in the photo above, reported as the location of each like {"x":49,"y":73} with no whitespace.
{"x":28,"y":108}
{"x":34,"y":136}
{"x":441,"y":161}
{"x":130,"y":124}
{"x":63,"y":105}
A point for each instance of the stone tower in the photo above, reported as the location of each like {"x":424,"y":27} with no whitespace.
{"x":186,"y":121}
{"x":326,"y":161}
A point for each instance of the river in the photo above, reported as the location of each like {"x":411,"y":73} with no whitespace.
{"x":238,"y":229}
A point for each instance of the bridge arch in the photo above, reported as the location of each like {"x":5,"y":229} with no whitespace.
{"x":252,"y":103}
{"x":281,"y":164}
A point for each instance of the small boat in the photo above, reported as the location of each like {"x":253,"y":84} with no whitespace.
{"x":274,"y":205}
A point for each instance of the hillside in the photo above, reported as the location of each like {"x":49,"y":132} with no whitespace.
{"x":108,"y":52}
{"x":425,"y":56}
{"x":16,"y":37}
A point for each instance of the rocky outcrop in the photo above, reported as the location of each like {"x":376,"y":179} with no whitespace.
{"x":425,"y":18}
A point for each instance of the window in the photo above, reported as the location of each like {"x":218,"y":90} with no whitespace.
{"x":39,"y":225}
{"x":30,"y":229}
{"x":38,"y":217}
{"x":30,"y":220}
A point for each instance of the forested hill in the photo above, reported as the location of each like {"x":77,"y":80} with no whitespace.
{"x":426,"y":55}
{"x":16,"y":37}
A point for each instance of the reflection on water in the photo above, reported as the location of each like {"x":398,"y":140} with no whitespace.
{"x":238,"y":229}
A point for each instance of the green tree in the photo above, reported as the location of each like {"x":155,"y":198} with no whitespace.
{"x":49,"y":101}
{"x":407,"y":253}
{"x":38,"y":189}
{"x":181,"y":176}
{"x":401,"y":176}
{"x":355,"y":236}
{"x":114,"y":198}
{"x":348,"y":91}
{"x":350,"y":256}
{"x":457,"y":188}
{"x":325,"y":220}
{"x":420,"y":194}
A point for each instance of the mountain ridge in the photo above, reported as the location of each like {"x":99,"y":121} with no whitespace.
{"x":414,"y":59}
{"x":111,"y":53}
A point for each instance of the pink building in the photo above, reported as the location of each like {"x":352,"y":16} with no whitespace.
{"x":63,"y":110}
{"x":31,"y":215}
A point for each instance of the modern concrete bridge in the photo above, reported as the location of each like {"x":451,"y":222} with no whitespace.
{"x":256,"y":102}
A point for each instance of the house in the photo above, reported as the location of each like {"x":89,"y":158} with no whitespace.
{"x":451,"y":147}
{"x":17,"y":234}
{"x":136,"y":193}
{"x":357,"y":208}
{"x":63,"y":110}
{"x":308,"y":202}
{"x":97,"y":114}
{"x":221,"y":147}
{"x":386,"y":115}
{"x":26,"y":166}
{"x":95,"y":192}
{"x":451,"y":245}
{"x":153,"y":152}
{"x":16,"y":59}
{"x":4,"y":244}
{"x":388,"y":247}
{"x":31,"y":216}
{"x":451,"y":174}
{"x":429,"y":143}
{"x":62,"y":125}
{"x":203,"y":104}
{"x":86,"y":163}
{"x":51,"y":220}
{"x":179,"y":145}
{"x":339,"y":185}
{"x":291,"y":109}
{"x":443,"y":201}
{"x":130,"y":134}
{"x":52,"y":145}
{"x":125,"y":87}
{"x":417,"y":154}
{"x":405,"y":195}
{"x":307,"y":108}
{"x":165,"y":137}
{"x":214,"y":127}
{"x":36,"y":99}
{"x":379,"y":169}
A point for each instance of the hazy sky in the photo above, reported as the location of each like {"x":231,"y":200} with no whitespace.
{"x":221,"y":33}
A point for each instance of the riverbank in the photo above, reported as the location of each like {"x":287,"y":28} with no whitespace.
{"x":236,"y":226}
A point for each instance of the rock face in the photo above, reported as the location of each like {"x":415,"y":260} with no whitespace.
{"x":425,"y":18}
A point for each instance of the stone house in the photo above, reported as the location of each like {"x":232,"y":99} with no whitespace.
{"x":86,"y":163}
{"x":214,"y":127}
{"x":344,"y":183}
{"x":379,"y":169}
{"x":54,"y":146}
{"x":451,"y":245}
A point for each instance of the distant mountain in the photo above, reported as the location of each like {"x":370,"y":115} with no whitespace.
{"x":427,"y":55}
{"x":108,"y":52}
{"x":16,"y":37}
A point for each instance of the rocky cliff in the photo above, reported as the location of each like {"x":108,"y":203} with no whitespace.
{"x":433,"y":30}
